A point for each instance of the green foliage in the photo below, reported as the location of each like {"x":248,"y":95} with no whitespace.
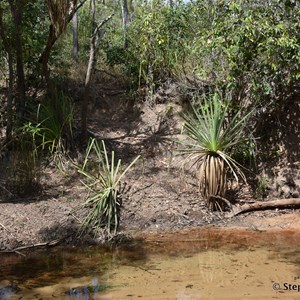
{"x":250,"y":45}
{"x":56,"y":118}
{"x":47,"y":136}
{"x":61,"y":57}
{"x":247,"y":45}
{"x":103,"y":178}
{"x":212,"y":135}
{"x":156,"y":42}
{"x":51,"y":129}
{"x":34,"y":34}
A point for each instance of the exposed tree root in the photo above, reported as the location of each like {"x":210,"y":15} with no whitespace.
{"x":218,"y":203}
{"x":261,"y":205}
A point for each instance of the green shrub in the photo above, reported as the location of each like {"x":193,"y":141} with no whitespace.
{"x":156,"y":42}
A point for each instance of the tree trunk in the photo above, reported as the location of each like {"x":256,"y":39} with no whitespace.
{"x":88,"y":78}
{"x":260,"y":205}
{"x":45,"y":56}
{"x":9,"y":105}
{"x":95,"y":39}
{"x":17,"y":14}
{"x":87,"y":88}
{"x":75,"y":38}
{"x":93,"y":16}
{"x":53,"y":36}
{"x":125,"y":19}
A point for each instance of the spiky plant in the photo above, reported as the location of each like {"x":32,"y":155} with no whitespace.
{"x":103,"y":184}
{"x":212,"y":135}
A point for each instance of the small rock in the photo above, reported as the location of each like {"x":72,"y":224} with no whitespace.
{"x":295,"y":194}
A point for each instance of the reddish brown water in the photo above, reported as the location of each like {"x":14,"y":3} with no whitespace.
{"x":194,"y":264}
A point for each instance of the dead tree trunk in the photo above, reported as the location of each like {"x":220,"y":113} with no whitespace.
{"x":259,"y":205}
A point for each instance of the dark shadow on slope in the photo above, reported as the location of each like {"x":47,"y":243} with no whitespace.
{"x":278,"y":133}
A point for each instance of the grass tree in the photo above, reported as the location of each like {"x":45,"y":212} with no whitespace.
{"x":212,"y":135}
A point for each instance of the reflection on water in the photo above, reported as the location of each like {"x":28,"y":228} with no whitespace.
{"x":199,"y":264}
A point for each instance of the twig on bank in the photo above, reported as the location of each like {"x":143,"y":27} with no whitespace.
{"x":46,"y":244}
{"x":76,"y":218}
{"x":20,"y":253}
{"x":4,"y":228}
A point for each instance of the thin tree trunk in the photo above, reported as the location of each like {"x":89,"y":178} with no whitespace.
{"x":95,"y":39}
{"x":9,"y":105}
{"x":75,"y":38}
{"x":87,"y":88}
{"x":88,"y":78}
{"x":93,"y":16}
{"x":17,"y":13}
{"x":125,"y":19}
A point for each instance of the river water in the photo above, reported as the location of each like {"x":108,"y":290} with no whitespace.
{"x":192,"y":264}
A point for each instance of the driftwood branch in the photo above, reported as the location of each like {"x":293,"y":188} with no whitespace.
{"x":261,"y":205}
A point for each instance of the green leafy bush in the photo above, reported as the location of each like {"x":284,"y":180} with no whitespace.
{"x":156,"y":42}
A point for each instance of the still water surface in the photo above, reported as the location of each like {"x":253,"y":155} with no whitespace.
{"x":195,"y":264}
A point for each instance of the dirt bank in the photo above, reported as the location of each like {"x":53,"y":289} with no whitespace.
{"x":158,"y":196}
{"x":158,"y":201}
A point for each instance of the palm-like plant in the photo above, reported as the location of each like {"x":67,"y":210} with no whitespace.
{"x":103,"y":184}
{"x":212,"y":137}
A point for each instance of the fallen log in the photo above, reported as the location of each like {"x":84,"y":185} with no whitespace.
{"x":261,"y":205}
